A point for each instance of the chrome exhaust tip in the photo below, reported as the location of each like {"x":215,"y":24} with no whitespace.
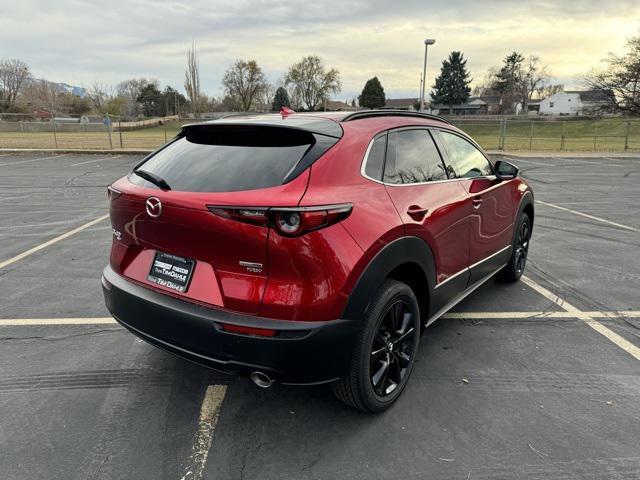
{"x":261,"y":379}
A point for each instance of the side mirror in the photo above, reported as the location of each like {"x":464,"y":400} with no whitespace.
{"x":505,"y":170}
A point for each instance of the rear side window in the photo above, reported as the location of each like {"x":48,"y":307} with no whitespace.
{"x":412,"y":157}
{"x":465,"y":160}
{"x":375,"y":159}
{"x":228,"y":159}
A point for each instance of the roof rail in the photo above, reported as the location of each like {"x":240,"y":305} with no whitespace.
{"x":389,"y":113}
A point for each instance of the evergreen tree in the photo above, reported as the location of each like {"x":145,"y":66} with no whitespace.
{"x":507,"y":79}
{"x":372,"y":95}
{"x":452,"y":85}
{"x":151,"y":99}
{"x":281,"y":99}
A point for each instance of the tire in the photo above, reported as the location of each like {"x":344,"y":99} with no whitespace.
{"x":515,"y":268}
{"x":385,"y":323}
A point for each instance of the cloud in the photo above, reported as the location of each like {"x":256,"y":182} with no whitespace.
{"x":80,"y":42}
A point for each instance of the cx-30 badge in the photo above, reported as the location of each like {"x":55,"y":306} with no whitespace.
{"x":154,"y":207}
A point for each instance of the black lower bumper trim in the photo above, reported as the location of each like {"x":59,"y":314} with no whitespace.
{"x":304,"y":352}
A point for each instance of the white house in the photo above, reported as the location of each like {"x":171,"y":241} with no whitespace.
{"x":577,"y":103}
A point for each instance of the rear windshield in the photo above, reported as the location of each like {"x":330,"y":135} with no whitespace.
{"x":227,"y":159}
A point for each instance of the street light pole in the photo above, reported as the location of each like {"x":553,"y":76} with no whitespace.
{"x":427,"y":42}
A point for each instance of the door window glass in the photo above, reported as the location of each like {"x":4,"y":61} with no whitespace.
{"x":412,"y":157}
{"x":465,"y":160}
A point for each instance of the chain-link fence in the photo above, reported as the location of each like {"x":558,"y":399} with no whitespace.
{"x":580,"y":134}
{"x":43,"y":130}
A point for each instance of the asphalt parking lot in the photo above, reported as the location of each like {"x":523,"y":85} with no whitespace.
{"x":536,"y":380}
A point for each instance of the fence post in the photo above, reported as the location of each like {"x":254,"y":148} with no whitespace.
{"x":595,"y":138}
{"x":120,"y":131}
{"x":503,"y":131}
{"x":109,"y":131}
{"x":55,"y":133}
{"x":626,"y":136}
{"x":564,"y":131}
{"x":531,"y":137}
{"x":164,"y":125}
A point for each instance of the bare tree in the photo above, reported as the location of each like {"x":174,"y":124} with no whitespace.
{"x":621,"y":78}
{"x":532,"y":75}
{"x":245,"y":81}
{"x":129,"y":90}
{"x":192,"y":79}
{"x":42,"y":94}
{"x":13,"y":76}
{"x":98,"y":94}
{"x":311,"y":82}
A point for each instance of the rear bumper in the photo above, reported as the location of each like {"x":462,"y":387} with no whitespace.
{"x":302,"y":352}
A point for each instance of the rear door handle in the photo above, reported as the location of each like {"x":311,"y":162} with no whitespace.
{"x":416,"y":212}
{"x":477,"y":201}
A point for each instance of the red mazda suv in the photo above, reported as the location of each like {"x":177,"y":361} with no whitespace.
{"x":311,"y":248}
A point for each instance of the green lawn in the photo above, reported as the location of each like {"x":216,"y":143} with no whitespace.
{"x":579,"y":135}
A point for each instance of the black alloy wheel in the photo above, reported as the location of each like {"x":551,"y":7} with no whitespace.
{"x":392,"y":349}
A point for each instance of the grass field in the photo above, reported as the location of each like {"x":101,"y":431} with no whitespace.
{"x":579,"y":135}
{"x":570,"y":135}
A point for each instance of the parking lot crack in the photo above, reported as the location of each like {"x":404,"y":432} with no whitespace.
{"x":51,"y":338}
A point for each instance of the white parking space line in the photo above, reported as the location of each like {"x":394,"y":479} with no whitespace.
{"x":31,"y":160}
{"x":53,"y":241}
{"x":18,"y":322}
{"x":589,"y":320}
{"x":98,"y":160}
{"x":591,"y":217}
{"x":209,"y":412}
{"x":581,"y":161}
{"x":518,"y":160}
{"x":539,"y":315}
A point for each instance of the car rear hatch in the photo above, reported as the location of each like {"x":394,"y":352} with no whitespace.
{"x":175,"y":216}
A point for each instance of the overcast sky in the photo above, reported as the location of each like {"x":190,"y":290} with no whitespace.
{"x":79,"y":42}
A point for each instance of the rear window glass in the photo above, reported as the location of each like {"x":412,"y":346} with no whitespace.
{"x":228,"y":159}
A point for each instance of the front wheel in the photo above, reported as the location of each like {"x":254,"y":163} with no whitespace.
{"x":515,"y":268}
{"x":385,"y":350}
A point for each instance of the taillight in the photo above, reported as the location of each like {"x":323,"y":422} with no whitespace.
{"x":288,"y":222}
{"x":112,"y":193}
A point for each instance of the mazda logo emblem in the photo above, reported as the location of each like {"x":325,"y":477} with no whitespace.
{"x":154,"y":207}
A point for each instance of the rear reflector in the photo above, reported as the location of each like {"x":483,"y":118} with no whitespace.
{"x":256,"y":332}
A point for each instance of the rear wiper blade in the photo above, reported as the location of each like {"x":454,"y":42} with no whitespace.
{"x":153,"y":178}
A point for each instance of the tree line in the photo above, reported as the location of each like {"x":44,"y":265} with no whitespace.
{"x":308,"y":84}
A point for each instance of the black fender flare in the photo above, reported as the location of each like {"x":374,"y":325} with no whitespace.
{"x":527,"y":199}
{"x":400,"y":251}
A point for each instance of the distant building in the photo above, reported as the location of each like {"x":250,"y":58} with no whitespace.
{"x":533,"y":106}
{"x":337,"y":106}
{"x":577,"y":103}
{"x":401,"y":103}
{"x":484,"y":105}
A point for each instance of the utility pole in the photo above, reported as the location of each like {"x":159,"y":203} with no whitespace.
{"x":427,"y":42}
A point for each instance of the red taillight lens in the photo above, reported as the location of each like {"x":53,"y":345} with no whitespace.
{"x":112,"y":193}
{"x":288,"y":222}
{"x":254,"y":216}
{"x":258,"y":332}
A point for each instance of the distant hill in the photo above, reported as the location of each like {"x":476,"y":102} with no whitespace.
{"x":79,"y":91}
{"x":65,"y":87}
